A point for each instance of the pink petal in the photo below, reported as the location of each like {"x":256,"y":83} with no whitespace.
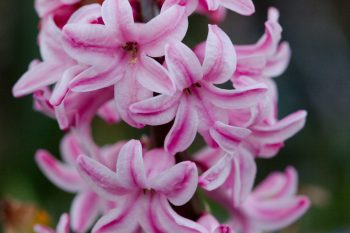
{"x":218,"y":16}
{"x":183,"y":65}
{"x":118,"y":17}
{"x":41,"y":102}
{"x":242,"y":177}
{"x":223,"y":229}
{"x":100,"y":178}
{"x":208,"y":156}
{"x":130,"y":168}
{"x":269,"y":150}
{"x":85,"y":14}
{"x":124,"y":99}
{"x":243,"y":7}
{"x":250,"y":66}
{"x":157,"y":110}
{"x":247,"y":170}
{"x":109,"y":154}
{"x":199,"y":50}
{"x":212,"y":5}
{"x":124,"y":218}
{"x":156,"y":161}
{"x":160,"y":217}
{"x":268,"y":43}
{"x":50,"y":43}
{"x":171,"y":25}
{"x":178,"y":183}
{"x":37,"y":77}
{"x":279,"y":62}
{"x":154,"y":76}
{"x":184,"y":130}
{"x":90,"y":44}
{"x":228,"y":137}
{"x":237,"y":98}
{"x":190,"y":5}
{"x":244,"y":117}
{"x":70,"y":148}
{"x":43,"y":7}
{"x":274,"y":215}
{"x":220,"y":56}
{"x":62,"y":86}
{"x":84,"y":211}
{"x":209,"y":222}
{"x":278,"y":185}
{"x":215,"y":176}
{"x":63,"y":224}
{"x":97,"y":77}
{"x":282,"y":130}
{"x":63,"y":176}
{"x":78,"y":109}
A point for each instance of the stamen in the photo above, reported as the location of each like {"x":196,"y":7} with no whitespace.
{"x":187,"y":91}
{"x":132,"y":48}
{"x":197,"y":85}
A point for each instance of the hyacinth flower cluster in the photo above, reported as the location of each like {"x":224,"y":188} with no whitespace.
{"x":125,"y":60}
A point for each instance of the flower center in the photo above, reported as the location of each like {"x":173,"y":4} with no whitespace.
{"x":188,"y":91}
{"x":132,"y":48}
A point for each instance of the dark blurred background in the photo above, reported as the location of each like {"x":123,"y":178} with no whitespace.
{"x":317,"y":80}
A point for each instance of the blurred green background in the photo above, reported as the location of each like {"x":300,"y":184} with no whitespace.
{"x":317,"y":80}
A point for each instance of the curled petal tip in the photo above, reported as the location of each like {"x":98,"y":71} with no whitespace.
{"x":273,"y":14}
{"x":304,"y":202}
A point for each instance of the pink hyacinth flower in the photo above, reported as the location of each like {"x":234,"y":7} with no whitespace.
{"x":52,"y":68}
{"x":57,"y":66}
{"x":267,"y":58}
{"x":118,"y":53}
{"x":272,"y":205}
{"x":143,"y":186}
{"x":62,"y":226}
{"x":212,"y":225}
{"x":198,"y":104}
{"x":87,"y":205}
{"x":268,"y":133}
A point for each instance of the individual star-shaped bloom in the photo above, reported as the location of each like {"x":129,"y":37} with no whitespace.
{"x":199,"y":105}
{"x":144,"y":186}
{"x":232,"y":174}
{"x":268,"y":132}
{"x":87,"y":205}
{"x":120,"y":53}
{"x":57,"y":66}
{"x":212,"y":225}
{"x":51,"y":69}
{"x":267,"y":58}
{"x":272,"y":205}
{"x":62,"y":226}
